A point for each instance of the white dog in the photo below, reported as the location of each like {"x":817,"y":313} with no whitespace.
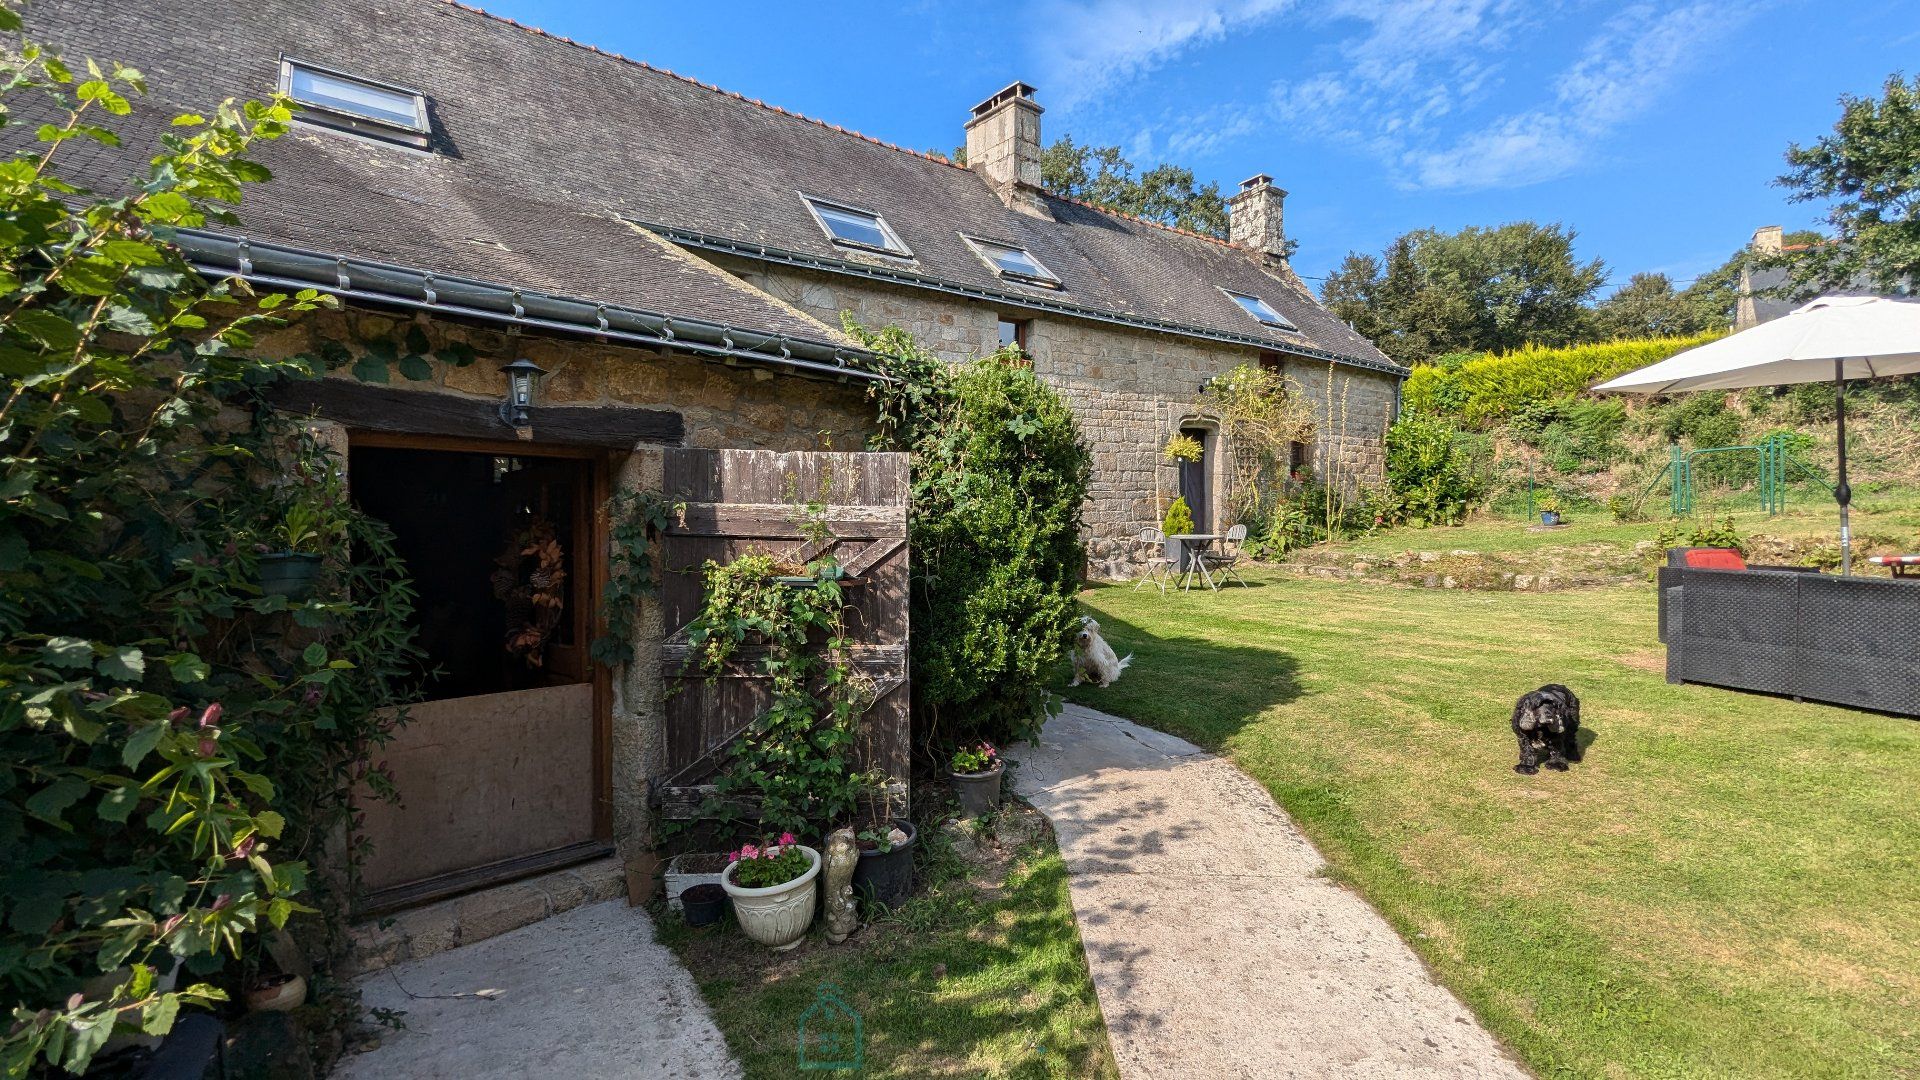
{"x":1093,"y":658}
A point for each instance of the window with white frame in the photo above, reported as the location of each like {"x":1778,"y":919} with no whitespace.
{"x":337,"y":99}
{"x":1012,"y":262}
{"x":1260,"y":310}
{"x":855,"y":227}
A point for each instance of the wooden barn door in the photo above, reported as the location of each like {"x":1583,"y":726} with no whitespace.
{"x":501,"y":768}
{"x":742,"y":501}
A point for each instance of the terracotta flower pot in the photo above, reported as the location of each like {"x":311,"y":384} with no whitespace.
{"x":979,"y":792}
{"x":778,"y":915}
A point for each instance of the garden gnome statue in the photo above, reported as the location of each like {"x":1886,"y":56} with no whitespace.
{"x":842,"y":855}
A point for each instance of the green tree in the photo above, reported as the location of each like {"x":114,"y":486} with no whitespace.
{"x":1868,"y":174}
{"x":1103,"y":176}
{"x":1649,"y":306}
{"x":1480,"y":290}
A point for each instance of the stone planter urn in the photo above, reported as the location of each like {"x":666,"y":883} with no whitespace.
{"x":979,"y":792}
{"x":778,"y":915}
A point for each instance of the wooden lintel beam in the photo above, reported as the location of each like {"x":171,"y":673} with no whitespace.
{"x":432,"y":412}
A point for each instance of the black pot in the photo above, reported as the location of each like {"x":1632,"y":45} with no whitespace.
{"x":887,"y":878}
{"x":291,"y":574}
{"x":701,"y":905}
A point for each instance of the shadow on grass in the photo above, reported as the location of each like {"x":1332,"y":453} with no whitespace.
{"x":1200,"y":689}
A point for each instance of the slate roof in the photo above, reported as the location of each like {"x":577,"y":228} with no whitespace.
{"x":545,"y":151}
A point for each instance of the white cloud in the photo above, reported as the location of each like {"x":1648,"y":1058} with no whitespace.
{"x":1091,"y":46}
{"x":1426,"y":86}
{"x":1622,"y":73}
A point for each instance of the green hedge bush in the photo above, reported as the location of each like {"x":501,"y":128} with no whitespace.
{"x":1490,"y":388}
{"x":999,"y":476}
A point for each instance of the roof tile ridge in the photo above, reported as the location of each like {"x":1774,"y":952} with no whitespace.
{"x":1144,"y":221}
{"x":722,"y":91}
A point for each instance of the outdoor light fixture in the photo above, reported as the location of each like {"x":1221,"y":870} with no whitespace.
{"x":521,"y":376}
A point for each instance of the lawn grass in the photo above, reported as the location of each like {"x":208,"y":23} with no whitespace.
{"x":980,"y":975}
{"x":1730,"y":885}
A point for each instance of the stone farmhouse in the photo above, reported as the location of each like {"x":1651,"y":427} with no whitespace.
{"x":677,"y":259}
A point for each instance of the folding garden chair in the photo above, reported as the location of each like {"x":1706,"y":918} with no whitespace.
{"x":1227,"y":556}
{"x":1152,"y":544}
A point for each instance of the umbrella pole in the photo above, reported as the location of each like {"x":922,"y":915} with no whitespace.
{"x":1842,"y":491}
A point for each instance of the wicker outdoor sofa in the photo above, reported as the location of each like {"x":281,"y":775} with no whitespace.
{"x":1789,"y":630}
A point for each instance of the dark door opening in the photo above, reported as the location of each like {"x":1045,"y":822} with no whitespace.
{"x":497,"y":769}
{"x":1193,"y":480}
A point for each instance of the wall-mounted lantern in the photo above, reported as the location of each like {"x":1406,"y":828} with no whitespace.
{"x":523,"y":375}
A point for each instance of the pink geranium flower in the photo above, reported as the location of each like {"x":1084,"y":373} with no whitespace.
{"x":786,"y":838}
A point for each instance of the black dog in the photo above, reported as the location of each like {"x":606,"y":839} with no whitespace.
{"x":1547,"y":719}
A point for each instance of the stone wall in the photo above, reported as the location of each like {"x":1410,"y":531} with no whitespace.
{"x":743,"y":408}
{"x":1131,"y":389}
{"x":737,"y":408}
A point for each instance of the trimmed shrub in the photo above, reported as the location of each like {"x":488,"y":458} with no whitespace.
{"x":1179,"y":519}
{"x":1491,"y":388}
{"x":999,"y":474}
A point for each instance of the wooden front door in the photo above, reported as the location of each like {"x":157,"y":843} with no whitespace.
{"x":500,"y":770}
{"x":742,"y":501}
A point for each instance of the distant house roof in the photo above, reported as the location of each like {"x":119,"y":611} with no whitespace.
{"x":547,"y":159}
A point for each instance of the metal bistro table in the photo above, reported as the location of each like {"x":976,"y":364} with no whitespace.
{"x":1190,"y":561}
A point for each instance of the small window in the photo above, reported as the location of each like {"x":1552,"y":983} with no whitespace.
{"x":1260,"y":310}
{"x":856,"y":228}
{"x":337,"y":99}
{"x":1013,"y":332}
{"x":1012,"y":262}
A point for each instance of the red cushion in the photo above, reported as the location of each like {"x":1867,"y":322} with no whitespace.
{"x":1715,"y":559}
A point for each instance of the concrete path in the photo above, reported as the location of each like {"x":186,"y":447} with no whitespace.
{"x":586,"y":994}
{"x":1217,"y":948}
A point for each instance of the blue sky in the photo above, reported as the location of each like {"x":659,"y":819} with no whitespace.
{"x":1653,"y":128}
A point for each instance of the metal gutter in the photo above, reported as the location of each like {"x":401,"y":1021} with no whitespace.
{"x":750,"y":250}
{"x":281,"y":266}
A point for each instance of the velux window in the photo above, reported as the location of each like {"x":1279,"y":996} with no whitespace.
{"x":856,"y":228}
{"x":1013,"y":262}
{"x":336,"y":99}
{"x":1260,"y":310}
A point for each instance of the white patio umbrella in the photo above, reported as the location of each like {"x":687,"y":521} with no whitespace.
{"x":1833,"y":338}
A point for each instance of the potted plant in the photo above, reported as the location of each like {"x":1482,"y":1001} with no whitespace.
{"x":1549,"y":505}
{"x":775,"y":887}
{"x":688,"y":869}
{"x":976,"y":772}
{"x":1179,"y":521}
{"x":292,"y":571}
{"x":885,"y":869}
{"x":703,"y":904}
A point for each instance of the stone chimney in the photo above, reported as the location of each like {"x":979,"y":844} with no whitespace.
{"x":1003,"y":146}
{"x":1768,"y":240}
{"x":1255,"y":217}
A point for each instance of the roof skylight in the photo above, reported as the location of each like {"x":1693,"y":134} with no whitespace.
{"x":856,"y":228}
{"x":1260,"y":310}
{"x":1012,"y":262}
{"x":337,"y":99}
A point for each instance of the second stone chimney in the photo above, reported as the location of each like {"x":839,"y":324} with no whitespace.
{"x":1003,"y":146}
{"x":1768,"y":240}
{"x":1255,"y":218}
